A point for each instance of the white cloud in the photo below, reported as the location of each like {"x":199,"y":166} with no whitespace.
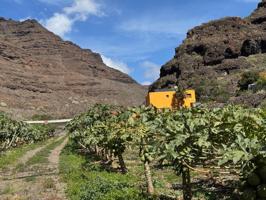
{"x":116,"y":64}
{"x":81,"y":9}
{"x":62,"y":23}
{"x":146,"y":83}
{"x":59,"y":24}
{"x":153,"y":24}
{"x":24,"y":19}
{"x":152,"y":70}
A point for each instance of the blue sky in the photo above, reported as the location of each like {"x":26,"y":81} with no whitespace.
{"x":135,"y":36}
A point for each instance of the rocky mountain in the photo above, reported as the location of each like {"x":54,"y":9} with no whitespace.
{"x":214,"y":57}
{"x":42,"y":74}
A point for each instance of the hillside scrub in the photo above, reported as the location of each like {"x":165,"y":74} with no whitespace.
{"x":256,"y":79}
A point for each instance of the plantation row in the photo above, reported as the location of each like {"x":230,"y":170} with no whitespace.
{"x":186,"y":139}
{"x":14,"y":134}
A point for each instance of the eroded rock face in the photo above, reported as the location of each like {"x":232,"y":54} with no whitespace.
{"x":214,"y":55}
{"x":259,"y":15}
{"x":41,"y":73}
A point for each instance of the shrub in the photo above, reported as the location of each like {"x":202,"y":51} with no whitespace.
{"x":247,"y":79}
{"x":48,"y":128}
{"x":263,"y":106}
{"x":220,"y":94}
{"x":261,"y":84}
{"x":263,"y":75}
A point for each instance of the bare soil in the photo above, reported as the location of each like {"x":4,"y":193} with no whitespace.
{"x":38,"y":182}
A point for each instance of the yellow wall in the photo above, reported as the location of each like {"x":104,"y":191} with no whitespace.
{"x":190,"y":98}
{"x":161,"y":99}
{"x":166,"y":99}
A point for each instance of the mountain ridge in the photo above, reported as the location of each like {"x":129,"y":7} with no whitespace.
{"x":42,"y":74}
{"x":214,"y":56}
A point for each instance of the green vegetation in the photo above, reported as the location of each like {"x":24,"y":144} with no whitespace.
{"x":254,"y":178}
{"x":44,"y":128}
{"x":182,"y":140}
{"x":42,"y":156}
{"x":49,"y":183}
{"x":261,"y":84}
{"x":210,"y":89}
{"x":84,"y":173}
{"x":87,"y":180}
{"x":30,"y":179}
{"x":247,"y":79}
{"x":7,"y":190}
{"x":43,"y":117}
{"x":11,"y":156}
{"x":252,"y":77}
{"x":14,"y":134}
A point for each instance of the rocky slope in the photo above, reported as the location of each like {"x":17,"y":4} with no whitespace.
{"x":42,"y":74}
{"x":214,"y":56}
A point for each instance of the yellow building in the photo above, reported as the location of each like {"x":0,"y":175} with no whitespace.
{"x":167,"y":99}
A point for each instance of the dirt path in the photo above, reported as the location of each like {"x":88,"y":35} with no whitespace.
{"x":30,"y":154}
{"x":38,"y":181}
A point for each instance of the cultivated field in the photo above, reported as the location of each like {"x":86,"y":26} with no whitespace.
{"x":140,"y":153}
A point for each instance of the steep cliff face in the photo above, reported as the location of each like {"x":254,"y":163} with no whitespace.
{"x":41,"y":73}
{"x":214,"y":56}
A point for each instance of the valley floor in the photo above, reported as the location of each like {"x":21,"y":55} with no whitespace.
{"x":58,"y":170}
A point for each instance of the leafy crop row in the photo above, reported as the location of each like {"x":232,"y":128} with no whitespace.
{"x":184,"y":139}
{"x":14,"y":133}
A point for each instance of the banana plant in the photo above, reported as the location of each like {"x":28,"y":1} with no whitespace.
{"x":143,"y":120}
{"x":182,"y":139}
{"x":184,"y":136}
{"x":120,"y":136}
